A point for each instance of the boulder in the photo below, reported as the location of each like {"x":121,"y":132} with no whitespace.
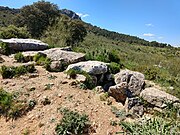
{"x":25,"y":44}
{"x":56,"y":66}
{"x":119,"y":92}
{"x":80,"y":78}
{"x":58,"y":54}
{"x":157,"y":97}
{"x":1,"y":60}
{"x":91,"y":67}
{"x":134,"y":80}
{"x":134,"y":106}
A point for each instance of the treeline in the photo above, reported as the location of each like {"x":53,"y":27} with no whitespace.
{"x":122,"y":37}
{"x":40,"y":16}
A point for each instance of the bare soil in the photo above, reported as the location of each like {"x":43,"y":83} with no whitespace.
{"x":43,"y":119}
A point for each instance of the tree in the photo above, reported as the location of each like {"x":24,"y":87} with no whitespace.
{"x":38,"y":16}
{"x":13,"y":32}
{"x":66,"y":32}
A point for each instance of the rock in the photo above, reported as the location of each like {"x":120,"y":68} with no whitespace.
{"x":91,"y":67}
{"x":118,"y":92}
{"x":108,"y":85}
{"x":33,"y":75}
{"x":71,"y":14}
{"x":99,"y":89}
{"x":25,"y":44}
{"x":157,"y":97}
{"x":134,"y":106}
{"x":56,"y":66}
{"x":134,"y":80}
{"x":1,"y":60}
{"x":80,"y":78}
{"x":57,"y":54}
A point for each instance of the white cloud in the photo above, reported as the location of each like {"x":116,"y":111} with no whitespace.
{"x":148,"y":35}
{"x":82,"y":15}
{"x":160,"y":37}
{"x":149,"y":25}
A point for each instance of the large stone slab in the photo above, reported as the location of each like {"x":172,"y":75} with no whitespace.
{"x":134,"y":80}
{"x":59,"y":54}
{"x":91,"y":67}
{"x":25,"y":44}
{"x":157,"y":97}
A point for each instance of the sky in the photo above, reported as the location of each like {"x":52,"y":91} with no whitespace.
{"x":152,"y":20}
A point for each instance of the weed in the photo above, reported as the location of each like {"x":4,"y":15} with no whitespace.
{"x":5,"y":48}
{"x":154,"y":126}
{"x":19,"y":57}
{"x":104,"y":96}
{"x":10,"y":72}
{"x":114,"y":67}
{"x":72,"y":123}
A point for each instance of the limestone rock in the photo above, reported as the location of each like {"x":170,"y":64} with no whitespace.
{"x":57,"y":54}
{"x":134,"y":106}
{"x":91,"y":67}
{"x":157,"y":97}
{"x":56,"y":66}
{"x":119,"y":92}
{"x":1,"y":60}
{"x":134,"y":80}
{"x":80,"y":78}
{"x":25,"y":44}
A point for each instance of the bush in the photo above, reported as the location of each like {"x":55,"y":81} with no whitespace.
{"x":42,"y":60}
{"x":89,"y":80}
{"x":10,"y":72}
{"x":5,"y":48}
{"x":19,"y":57}
{"x":13,"y":32}
{"x":114,"y":67}
{"x":9,"y":107}
{"x":72,"y":123}
{"x":151,"y":73}
{"x":113,"y":56}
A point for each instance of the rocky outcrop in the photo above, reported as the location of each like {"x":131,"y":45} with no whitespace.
{"x":91,"y":67}
{"x":70,"y":13}
{"x":157,"y":97}
{"x":25,"y":44}
{"x":58,"y":54}
{"x":135,"y":81}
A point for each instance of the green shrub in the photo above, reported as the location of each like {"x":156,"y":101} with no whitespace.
{"x":42,"y":60}
{"x":151,"y":73}
{"x":10,"y":72}
{"x":114,"y":67}
{"x":7,"y":72}
{"x":113,"y":56}
{"x":5,"y":48}
{"x":10,"y":107}
{"x":89,"y":80}
{"x":72,"y":123}
{"x":19,"y":57}
{"x":13,"y":32}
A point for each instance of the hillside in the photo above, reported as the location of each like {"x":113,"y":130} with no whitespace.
{"x":7,"y":15}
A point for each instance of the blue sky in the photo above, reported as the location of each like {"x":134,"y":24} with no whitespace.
{"x":157,"y":20}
